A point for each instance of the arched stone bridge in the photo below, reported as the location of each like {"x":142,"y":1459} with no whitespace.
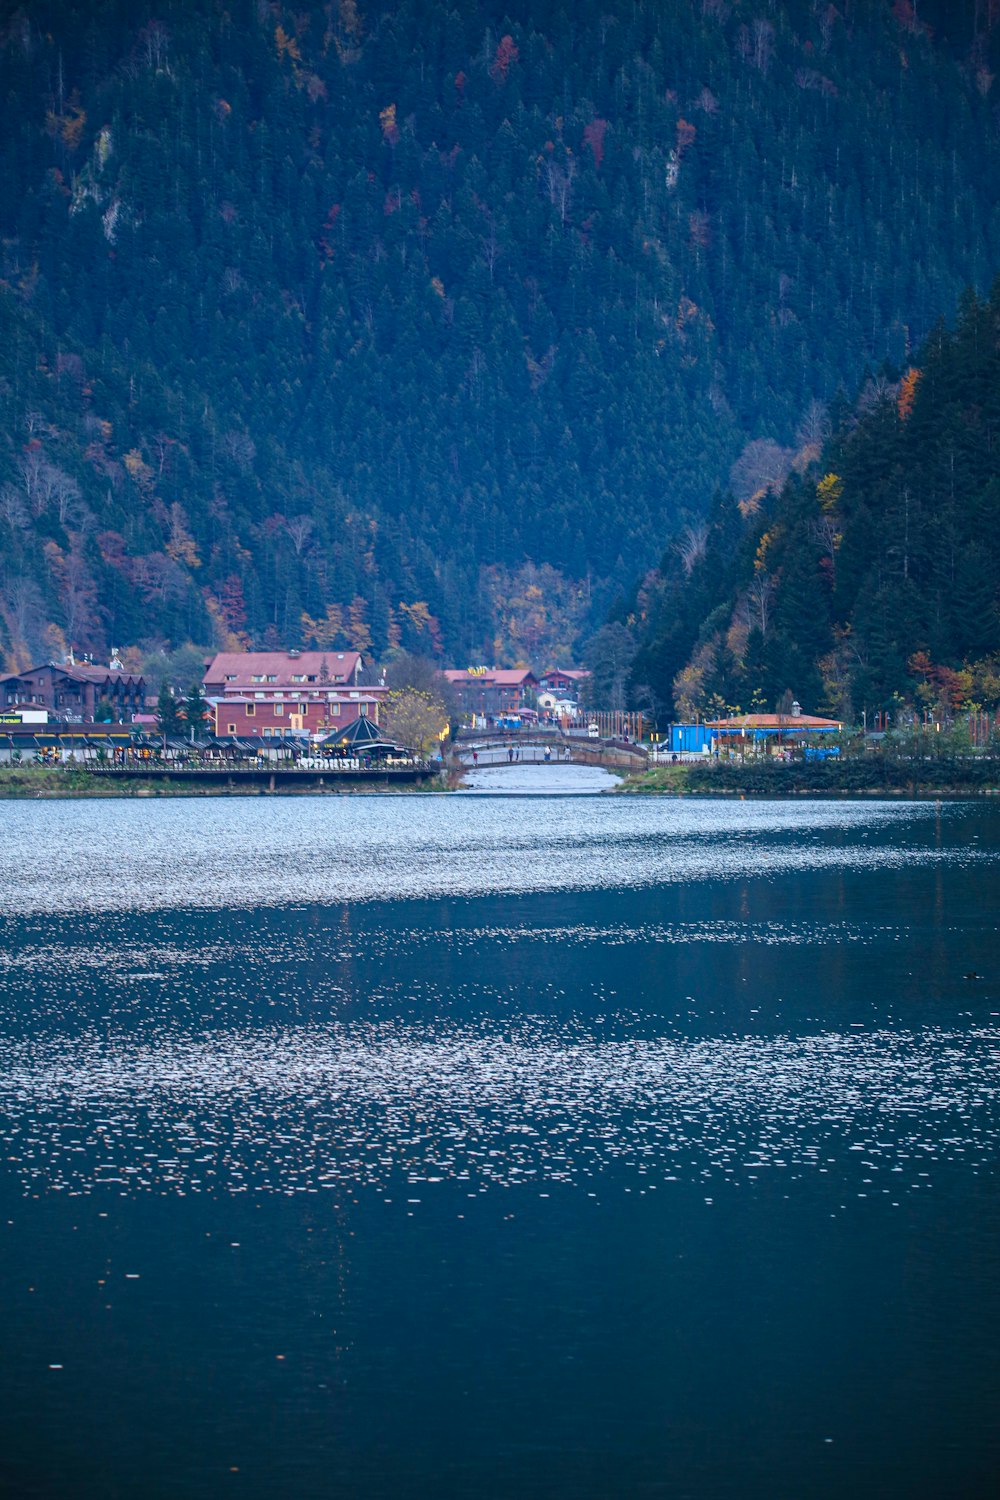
{"x":529,"y":747}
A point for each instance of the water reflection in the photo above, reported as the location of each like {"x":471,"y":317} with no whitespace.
{"x":446,"y":1147}
{"x":539,"y":780}
{"x":296,"y":1110}
{"x":250,"y":852}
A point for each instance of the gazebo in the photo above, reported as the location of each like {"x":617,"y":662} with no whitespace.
{"x":363,"y":737}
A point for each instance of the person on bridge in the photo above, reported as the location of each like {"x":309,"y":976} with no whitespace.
{"x":475,"y":757}
{"x":548,"y":754}
{"x":510,"y":755}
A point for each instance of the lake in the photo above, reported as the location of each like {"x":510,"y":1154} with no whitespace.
{"x":499,"y":1145}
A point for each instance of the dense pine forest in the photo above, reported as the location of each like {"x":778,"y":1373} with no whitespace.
{"x":867,"y":586}
{"x":427,"y":324}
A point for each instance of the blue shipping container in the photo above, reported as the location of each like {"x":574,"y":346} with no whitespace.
{"x":690,"y":739}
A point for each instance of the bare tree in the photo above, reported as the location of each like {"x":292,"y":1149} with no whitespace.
{"x":814,"y":428}
{"x":756,"y":604}
{"x":78,"y":596}
{"x":875,"y":391}
{"x":25,"y":610}
{"x":690,"y":546}
{"x":762,"y":465}
{"x":824,"y":531}
{"x":12,"y":507}
{"x":240,"y":448}
{"x":558,"y":178}
{"x":159,"y":577}
{"x":490,"y":245}
{"x":299,"y":529}
{"x":46,"y":484}
{"x":762,"y":44}
{"x":30,"y":469}
{"x":154,"y":42}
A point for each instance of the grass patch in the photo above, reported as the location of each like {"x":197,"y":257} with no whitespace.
{"x":869,"y":774}
{"x":31,"y":780}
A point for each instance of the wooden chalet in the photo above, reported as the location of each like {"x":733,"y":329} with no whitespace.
{"x":75,"y":690}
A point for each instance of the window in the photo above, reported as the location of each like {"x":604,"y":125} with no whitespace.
{"x":256,"y":679}
{"x":335,"y":710}
{"x":279,"y":709}
{"x":251,"y":709}
{"x":272,"y":678}
{"x":311,"y":679}
{"x":231,"y":729}
{"x":232,"y":678}
{"x":298,"y":677}
{"x":260,"y":695}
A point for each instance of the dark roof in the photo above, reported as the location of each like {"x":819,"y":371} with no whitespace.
{"x":363,"y":736}
{"x":233,"y":742}
{"x":359,"y":735}
{"x":491,"y":677}
{"x":79,"y":672}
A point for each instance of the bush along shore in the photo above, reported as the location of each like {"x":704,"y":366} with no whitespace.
{"x":51,"y":781}
{"x":31,"y":781}
{"x":867,"y":775}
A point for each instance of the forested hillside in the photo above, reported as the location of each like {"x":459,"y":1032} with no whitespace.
{"x":870,"y":583}
{"x":427,"y":323}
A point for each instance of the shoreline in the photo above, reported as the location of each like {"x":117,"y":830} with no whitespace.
{"x":837,"y":780}
{"x":49,"y":784}
{"x":45,"y":783}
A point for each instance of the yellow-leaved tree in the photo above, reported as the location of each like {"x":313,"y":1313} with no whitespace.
{"x":324,"y":631}
{"x":414,"y":718}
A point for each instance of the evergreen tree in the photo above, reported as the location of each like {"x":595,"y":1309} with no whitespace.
{"x":195,"y":710}
{"x":168,"y":720}
{"x":884,"y":553}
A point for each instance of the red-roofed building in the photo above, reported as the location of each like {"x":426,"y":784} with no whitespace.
{"x":281,"y":713}
{"x":268,"y":694}
{"x":771,"y":732}
{"x":778,"y":724}
{"x":565,"y":681}
{"x":231,"y":673}
{"x":493,"y":690}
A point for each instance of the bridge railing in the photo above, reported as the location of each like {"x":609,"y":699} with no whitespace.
{"x":580,"y":749}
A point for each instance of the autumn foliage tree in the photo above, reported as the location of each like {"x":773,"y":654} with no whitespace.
{"x":415,"y":719}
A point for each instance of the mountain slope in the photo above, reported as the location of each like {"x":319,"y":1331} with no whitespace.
{"x":869,"y":582}
{"x":322,"y":323}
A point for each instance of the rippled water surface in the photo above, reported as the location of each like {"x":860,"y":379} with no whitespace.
{"x":499,"y":1146}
